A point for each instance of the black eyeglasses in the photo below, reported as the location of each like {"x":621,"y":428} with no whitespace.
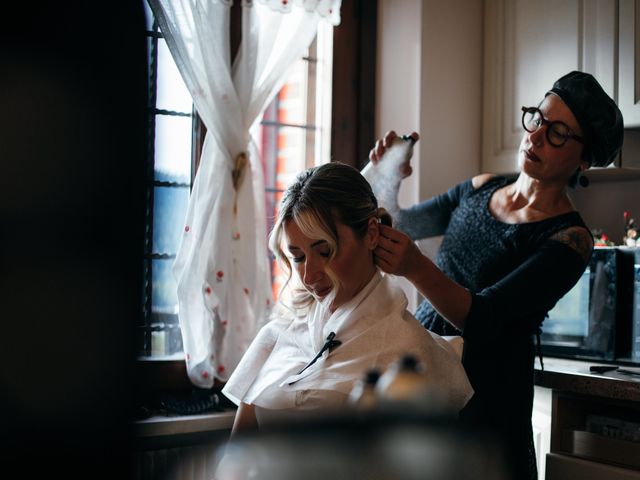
{"x":557,"y":132}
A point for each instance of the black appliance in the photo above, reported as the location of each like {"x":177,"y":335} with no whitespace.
{"x":594,"y":319}
{"x":635,"y":331}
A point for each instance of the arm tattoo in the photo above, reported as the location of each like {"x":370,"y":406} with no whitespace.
{"x":578,"y":239}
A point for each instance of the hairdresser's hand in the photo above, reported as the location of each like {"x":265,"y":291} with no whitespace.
{"x":376,"y":153}
{"x":397,"y":254}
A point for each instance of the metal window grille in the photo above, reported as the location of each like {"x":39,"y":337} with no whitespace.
{"x":162,"y":327}
{"x":158,"y":332}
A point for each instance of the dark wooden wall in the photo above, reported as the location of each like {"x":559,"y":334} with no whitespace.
{"x":73,"y":130}
{"x":354,"y":86}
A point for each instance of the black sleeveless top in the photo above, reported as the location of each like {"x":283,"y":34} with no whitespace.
{"x":515,"y":274}
{"x":479,"y":251}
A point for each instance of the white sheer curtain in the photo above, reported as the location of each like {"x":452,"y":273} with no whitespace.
{"x":222,"y":266}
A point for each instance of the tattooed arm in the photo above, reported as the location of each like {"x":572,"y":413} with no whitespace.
{"x":577,"y":238}
{"x":533,"y":288}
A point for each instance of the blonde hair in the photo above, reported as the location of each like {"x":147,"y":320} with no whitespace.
{"x":317,"y":199}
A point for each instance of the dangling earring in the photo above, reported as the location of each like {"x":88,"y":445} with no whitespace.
{"x":582,"y":179}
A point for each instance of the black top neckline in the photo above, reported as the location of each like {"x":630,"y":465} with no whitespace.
{"x":503,"y":182}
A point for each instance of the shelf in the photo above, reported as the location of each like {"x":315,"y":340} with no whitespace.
{"x":574,"y":376}
{"x":577,"y":453}
{"x":562,"y":467}
{"x":613,"y":174}
{"x":184,"y":424}
{"x":592,"y":446}
{"x":601,"y":175}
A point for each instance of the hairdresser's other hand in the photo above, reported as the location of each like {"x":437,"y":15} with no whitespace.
{"x":376,"y":153}
{"x":396,"y":253}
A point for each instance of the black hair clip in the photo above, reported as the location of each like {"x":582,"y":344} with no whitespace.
{"x":409,"y":138}
{"x":328,"y":345}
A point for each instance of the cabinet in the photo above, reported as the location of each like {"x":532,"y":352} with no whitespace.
{"x":594,"y":426}
{"x":628,"y":62}
{"x":529,"y":45}
{"x":180,"y":446}
{"x":577,"y":452}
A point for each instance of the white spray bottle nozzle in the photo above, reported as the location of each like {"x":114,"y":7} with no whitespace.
{"x":409,"y":138}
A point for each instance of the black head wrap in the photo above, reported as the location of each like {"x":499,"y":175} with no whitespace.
{"x":597,"y":114}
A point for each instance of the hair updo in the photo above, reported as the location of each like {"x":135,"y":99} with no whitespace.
{"x":317,"y":199}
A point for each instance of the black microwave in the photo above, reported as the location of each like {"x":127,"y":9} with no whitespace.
{"x":595,"y":319}
{"x":635,"y":315}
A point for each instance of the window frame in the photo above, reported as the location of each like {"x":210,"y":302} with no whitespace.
{"x":353,"y":117}
{"x":149,"y":318}
{"x":157,"y":375}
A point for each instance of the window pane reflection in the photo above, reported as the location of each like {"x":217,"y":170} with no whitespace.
{"x":172,"y":92}
{"x":173,"y":149}
{"x":288,"y":157}
{"x":148,"y":15}
{"x":169,"y":211}
{"x":163,"y":295}
{"x":292,"y":99}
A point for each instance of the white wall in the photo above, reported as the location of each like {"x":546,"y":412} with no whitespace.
{"x":429,"y":79}
{"x":398,"y":87}
{"x":398,"y":77}
{"x":603,"y":203}
{"x":612,"y":192}
{"x":451,"y":93}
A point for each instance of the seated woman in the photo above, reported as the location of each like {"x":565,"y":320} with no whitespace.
{"x":344,"y":311}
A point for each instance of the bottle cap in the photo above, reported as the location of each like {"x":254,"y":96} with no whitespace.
{"x":409,"y":362}
{"x":372,"y":376}
{"x":409,"y":138}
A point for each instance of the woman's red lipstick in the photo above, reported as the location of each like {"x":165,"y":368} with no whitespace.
{"x":532,"y":156}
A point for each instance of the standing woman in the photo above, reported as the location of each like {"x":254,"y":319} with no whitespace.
{"x":511,"y":250}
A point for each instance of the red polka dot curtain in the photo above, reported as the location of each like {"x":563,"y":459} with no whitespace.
{"x":222,"y":264}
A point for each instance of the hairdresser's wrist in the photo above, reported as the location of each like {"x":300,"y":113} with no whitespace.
{"x":419,"y":270}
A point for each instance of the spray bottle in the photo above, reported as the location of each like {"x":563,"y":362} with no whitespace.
{"x":402,"y":382}
{"x":385,"y":176}
{"x":408,"y":384}
{"x":399,"y":152}
{"x":363,"y":396}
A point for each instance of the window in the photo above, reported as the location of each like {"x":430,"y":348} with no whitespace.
{"x":169,"y":175}
{"x":293,"y":134}
{"x":295,"y":130}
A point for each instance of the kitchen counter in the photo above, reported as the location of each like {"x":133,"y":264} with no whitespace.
{"x":573,"y":376}
{"x":180,"y":446}
{"x":171,"y":433}
{"x":184,"y":424}
{"x":579,"y":398}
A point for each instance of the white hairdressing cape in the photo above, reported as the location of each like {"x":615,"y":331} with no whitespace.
{"x":375,"y":329}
